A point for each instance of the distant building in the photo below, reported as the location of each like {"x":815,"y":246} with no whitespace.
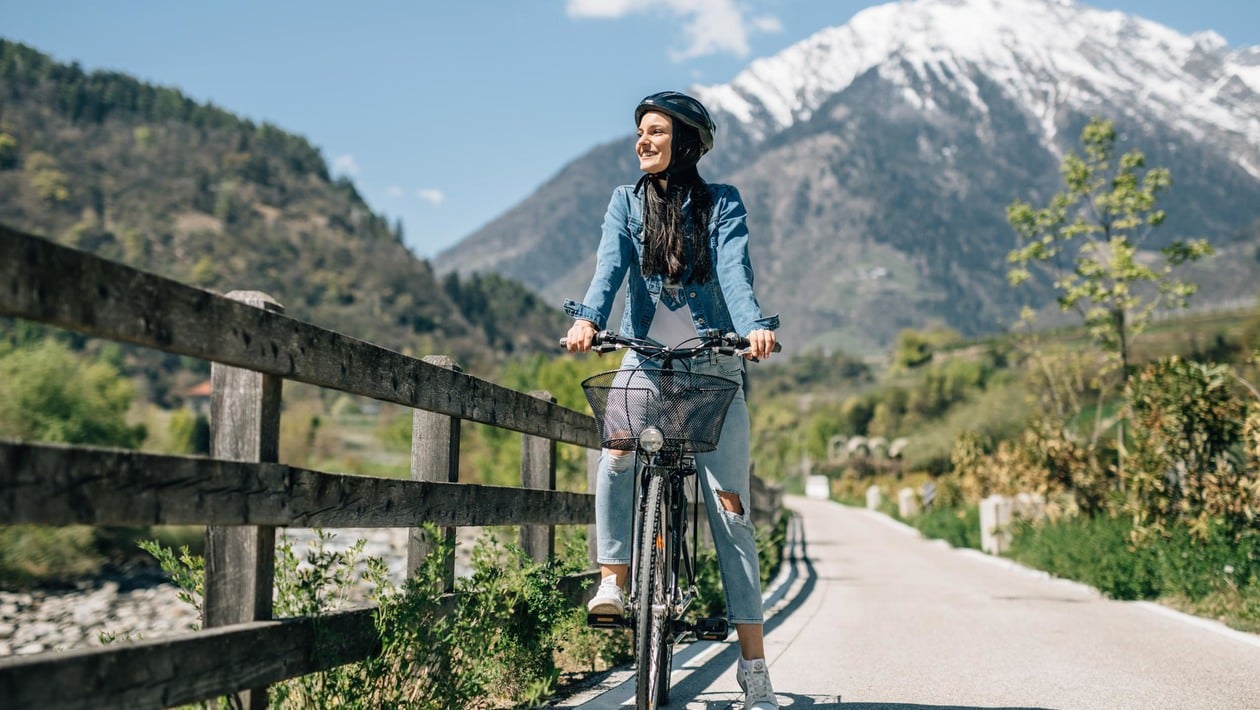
{"x":197,"y":398}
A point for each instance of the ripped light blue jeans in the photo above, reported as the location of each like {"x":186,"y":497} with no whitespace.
{"x":724,"y":470}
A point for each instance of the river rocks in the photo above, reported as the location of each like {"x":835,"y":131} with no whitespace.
{"x":146,"y":607}
{"x":46,"y":620}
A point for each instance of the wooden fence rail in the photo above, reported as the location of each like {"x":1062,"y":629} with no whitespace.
{"x":51,"y":484}
{"x":241,"y":492}
{"x":44,"y":282}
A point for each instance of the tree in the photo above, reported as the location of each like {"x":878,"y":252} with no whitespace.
{"x":1090,"y":239}
{"x":915,"y":348}
{"x":48,"y":393}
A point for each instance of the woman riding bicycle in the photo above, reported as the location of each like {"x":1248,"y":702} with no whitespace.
{"x":687,"y":241}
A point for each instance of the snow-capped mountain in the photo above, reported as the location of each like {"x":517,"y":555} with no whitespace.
{"x":1047,"y":56}
{"x":877,"y":158}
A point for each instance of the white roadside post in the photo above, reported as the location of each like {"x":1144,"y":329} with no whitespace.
{"x":907,"y":503}
{"x":995,"y":519}
{"x":873,"y":498}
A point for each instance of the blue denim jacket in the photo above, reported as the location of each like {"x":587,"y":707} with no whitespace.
{"x":725,"y":301}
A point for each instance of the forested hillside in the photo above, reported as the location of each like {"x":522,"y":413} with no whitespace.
{"x":144,"y":175}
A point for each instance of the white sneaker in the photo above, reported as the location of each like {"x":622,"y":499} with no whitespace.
{"x":608,"y":598}
{"x":755,"y":680}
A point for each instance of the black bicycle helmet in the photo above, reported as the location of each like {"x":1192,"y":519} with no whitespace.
{"x":683,"y":108}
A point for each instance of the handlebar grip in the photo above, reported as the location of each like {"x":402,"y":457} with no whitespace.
{"x":603,"y":341}
{"x":741,"y":342}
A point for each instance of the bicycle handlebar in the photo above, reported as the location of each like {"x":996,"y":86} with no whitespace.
{"x":711,"y":341}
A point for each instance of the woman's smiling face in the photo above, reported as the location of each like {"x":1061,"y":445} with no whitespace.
{"x":656,"y":135}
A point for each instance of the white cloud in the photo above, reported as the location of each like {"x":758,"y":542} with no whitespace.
{"x":710,"y":26}
{"x":767,"y":24}
{"x":607,"y":9}
{"x":394,"y":191}
{"x":346,"y":165}
{"x":430,"y":195}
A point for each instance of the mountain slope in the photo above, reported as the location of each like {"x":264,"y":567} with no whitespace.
{"x":143,"y":175}
{"x":878,"y":157}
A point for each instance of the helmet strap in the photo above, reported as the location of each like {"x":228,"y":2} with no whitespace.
{"x":653,"y":179}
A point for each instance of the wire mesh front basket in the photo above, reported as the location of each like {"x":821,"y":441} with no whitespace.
{"x":689,"y":408}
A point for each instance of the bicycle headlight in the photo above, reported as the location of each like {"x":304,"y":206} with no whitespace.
{"x":651,"y":440}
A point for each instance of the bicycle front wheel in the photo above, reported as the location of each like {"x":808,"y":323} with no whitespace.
{"x":652,"y":629}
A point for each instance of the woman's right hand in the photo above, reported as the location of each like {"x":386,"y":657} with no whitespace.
{"x":580,"y":336}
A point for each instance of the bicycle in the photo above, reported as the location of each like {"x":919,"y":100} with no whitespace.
{"x":665,"y":416}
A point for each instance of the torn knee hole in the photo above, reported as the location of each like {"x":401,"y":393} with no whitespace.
{"x":731,"y":502}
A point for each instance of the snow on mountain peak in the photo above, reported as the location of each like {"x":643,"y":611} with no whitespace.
{"x":1047,"y":54}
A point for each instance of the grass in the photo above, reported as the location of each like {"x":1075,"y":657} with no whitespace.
{"x":959,"y":527}
{"x":1232,"y":608}
{"x":1217,"y":578}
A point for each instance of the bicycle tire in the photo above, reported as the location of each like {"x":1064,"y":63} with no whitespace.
{"x":652,"y":655}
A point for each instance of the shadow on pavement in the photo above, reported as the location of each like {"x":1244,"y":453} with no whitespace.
{"x":917,"y":706}
{"x":693,"y":686}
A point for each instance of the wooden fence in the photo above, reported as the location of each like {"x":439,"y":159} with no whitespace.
{"x":242,"y":492}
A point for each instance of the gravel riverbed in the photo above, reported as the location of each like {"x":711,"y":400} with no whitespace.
{"x":144,"y":606}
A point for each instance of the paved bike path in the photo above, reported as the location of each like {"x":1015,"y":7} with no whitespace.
{"x":880,"y":619}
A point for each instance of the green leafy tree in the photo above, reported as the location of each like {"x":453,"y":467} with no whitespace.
{"x":1090,"y":238}
{"x":915,"y":347}
{"x":47,"y":178}
{"x":190,"y":432}
{"x":48,"y":393}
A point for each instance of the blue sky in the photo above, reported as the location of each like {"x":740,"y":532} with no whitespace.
{"x":445,"y":114}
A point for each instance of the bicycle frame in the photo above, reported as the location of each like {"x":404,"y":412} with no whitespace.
{"x":675,"y":468}
{"x":663,"y":567}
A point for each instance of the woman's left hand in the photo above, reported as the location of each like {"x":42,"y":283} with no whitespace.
{"x":760,"y":344}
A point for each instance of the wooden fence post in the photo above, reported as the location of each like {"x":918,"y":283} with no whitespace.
{"x":538,"y":470}
{"x":240,"y":560}
{"x":434,"y":457}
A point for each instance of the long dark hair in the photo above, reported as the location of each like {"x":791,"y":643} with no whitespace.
{"x":671,"y":237}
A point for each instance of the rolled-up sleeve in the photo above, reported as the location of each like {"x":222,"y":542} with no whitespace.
{"x":734,"y":267}
{"x":615,"y":254}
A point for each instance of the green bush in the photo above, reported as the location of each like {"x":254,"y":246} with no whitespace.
{"x":1186,"y":461}
{"x":1194,"y":567}
{"x":959,"y":527}
{"x":48,"y":393}
{"x":1095,"y":551}
{"x":494,"y":642}
{"x":32,"y":553}
{"x":1099,"y":552}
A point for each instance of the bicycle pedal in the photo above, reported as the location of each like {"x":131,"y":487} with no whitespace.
{"x":605,"y":621}
{"x":712,"y":629}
